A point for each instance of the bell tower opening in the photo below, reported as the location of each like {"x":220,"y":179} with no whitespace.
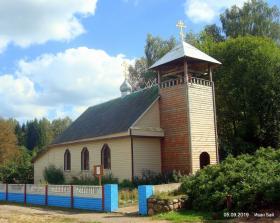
{"x":204,"y":159}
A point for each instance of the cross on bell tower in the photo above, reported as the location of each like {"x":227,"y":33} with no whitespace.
{"x":181,"y":26}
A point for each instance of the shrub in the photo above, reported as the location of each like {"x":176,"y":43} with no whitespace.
{"x":253,"y":181}
{"x":18,"y":169}
{"x":107,"y":179}
{"x":151,"y":178}
{"x":148,"y":178}
{"x":127,"y":184}
{"x":53,"y":175}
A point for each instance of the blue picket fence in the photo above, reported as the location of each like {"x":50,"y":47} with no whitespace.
{"x":95,"y":198}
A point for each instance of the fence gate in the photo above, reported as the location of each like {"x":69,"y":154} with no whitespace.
{"x":128,"y":197}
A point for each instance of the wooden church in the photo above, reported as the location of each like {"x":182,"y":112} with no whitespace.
{"x":168,"y":126}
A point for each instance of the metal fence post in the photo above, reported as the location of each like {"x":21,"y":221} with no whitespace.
{"x":7,"y":191}
{"x":46,"y":195}
{"x":24,"y":193}
{"x":72,"y":197}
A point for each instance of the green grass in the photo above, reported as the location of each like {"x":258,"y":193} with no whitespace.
{"x":167,"y":195}
{"x":184,"y":216}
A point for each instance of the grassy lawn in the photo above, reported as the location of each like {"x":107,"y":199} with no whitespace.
{"x":184,"y":216}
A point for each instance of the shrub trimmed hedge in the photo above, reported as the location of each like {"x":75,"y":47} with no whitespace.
{"x":107,"y":179}
{"x":53,"y":175}
{"x":148,"y":178}
{"x":253,"y":181}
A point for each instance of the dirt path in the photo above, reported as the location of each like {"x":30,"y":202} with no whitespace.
{"x":19,"y":214}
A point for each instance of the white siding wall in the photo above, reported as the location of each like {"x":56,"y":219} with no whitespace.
{"x":151,"y":118}
{"x":120,"y":158}
{"x":202,"y":123}
{"x":147,"y":155}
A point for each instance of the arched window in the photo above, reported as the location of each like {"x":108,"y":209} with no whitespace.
{"x":204,"y":159}
{"x":85,"y":159}
{"x":67,"y":160}
{"x":106,"y":157}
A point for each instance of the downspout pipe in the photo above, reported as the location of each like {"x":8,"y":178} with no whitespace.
{"x":132,"y":155}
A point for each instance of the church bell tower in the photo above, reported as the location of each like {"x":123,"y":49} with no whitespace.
{"x":187,"y":108}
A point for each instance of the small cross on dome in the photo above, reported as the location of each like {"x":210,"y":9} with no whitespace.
{"x":125,"y":69}
{"x":181,"y":26}
{"x":125,"y":87}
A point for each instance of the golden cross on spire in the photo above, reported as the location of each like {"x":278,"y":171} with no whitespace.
{"x":181,"y":26}
{"x":125,"y":69}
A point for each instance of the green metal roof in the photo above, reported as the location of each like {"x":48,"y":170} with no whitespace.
{"x":182,"y":50}
{"x":111,"y":117}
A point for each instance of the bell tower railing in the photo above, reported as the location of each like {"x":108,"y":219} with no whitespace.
{"x":192,"y":80}
{"x":200,"y":81}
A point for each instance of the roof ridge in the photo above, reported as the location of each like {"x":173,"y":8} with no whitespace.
{"x":120,"y":97}
{"x":109,"y":117}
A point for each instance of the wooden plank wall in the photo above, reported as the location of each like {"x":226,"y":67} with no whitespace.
{"x":202,"y":123}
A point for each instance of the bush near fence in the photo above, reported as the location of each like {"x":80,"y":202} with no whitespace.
{"x":148,"y":178}
{"x":244,"y":183}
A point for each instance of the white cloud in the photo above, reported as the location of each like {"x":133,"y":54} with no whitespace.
{"x":18,"y":97}
{"x":207,"y":10}
{"x":26,"y":22}
{"x":61,"y":84}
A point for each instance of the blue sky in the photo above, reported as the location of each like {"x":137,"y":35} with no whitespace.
{"x":59,"y":57}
